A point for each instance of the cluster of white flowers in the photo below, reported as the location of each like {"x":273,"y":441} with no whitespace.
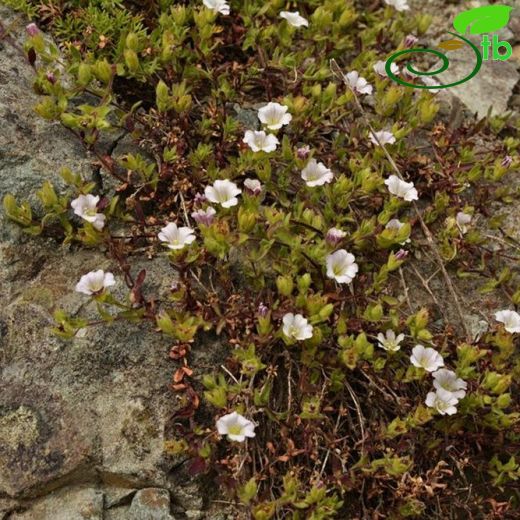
{"x":293,"y":18}
{"x":357,"y":83}
{"x":273,"y":116}
{"x":449,"y":388}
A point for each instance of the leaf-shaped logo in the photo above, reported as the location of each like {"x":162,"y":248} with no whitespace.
{"x":451,"y":45}
{"x":485,"y":19}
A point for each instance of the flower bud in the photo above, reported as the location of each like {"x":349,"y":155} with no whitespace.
{"x":303,"y":152}
{"x":401,"y":254}
{"x":84,"y":74}
{"x":262,"y":310}
{"x":334,"y":236}
{"x":199,"y":199}
{"x":285,"y":285}
{"x":51,"y":78}
{"x":205,"y":217}
{"x":132,"y":41}
{"x":246,"y":220}
{"x":264,"y":320}
{"x":410,"y":40}
{"x":32,"y":29}
{"x":304,"y":282}
{"x":507,"y":161}
{"x":102,"y":71}
{"x":253,"y":186}
{"x":131,"y":60}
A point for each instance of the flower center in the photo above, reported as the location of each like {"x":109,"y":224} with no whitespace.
{"x":235,"y":429}
{"x":293,"y":331}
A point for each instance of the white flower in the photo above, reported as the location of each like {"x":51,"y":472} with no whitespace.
{"x":253,"y":186}
{"x":391,"y":343}
{"x":94,"y":282}
{"x":294,"y":18}
{"x":296,"y":327}
{"x":383,"y":136}
{"x":395,"y":224}
{"x":176,"y":237}
{"x":223,"y":192}
{"x":358,"y":83}
{"x":274,"y":115}
{"x":442,"y":401}
{"x":510,"y":319}
{"x":427,"y":358}
{"x":205,"y":217}
{"x":463,"y":220}
{"x":316,"y":174}
{"x":399,"y":5}
{"x":85,"y":206}
{"x":217,"y":6}
{"x":447,"y":380}
{"x":341,"y":266}
{"x":236,"y":427}
{"x":401,"y":189}
{"x":260,"y":141}
{"x":430,"y":82}
{"x":380,"y":69}
{"x":334,"y":236}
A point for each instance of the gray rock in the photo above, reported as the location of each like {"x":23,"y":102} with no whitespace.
{"x":150,"y":504}
{"x":87,"y":411}
{"x":118,"y":513}
{"x":491,"y":88}
{"x":68,"y":504}
{"x":493,"y":85}
{"x":27,"y":155}
{"x":247,"y":116}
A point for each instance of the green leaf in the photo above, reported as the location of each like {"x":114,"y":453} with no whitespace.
{"x":485,"y":19}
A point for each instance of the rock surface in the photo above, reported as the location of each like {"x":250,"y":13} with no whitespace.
{"x":493,"y":87}
{"x":82,"y":423}
{"x":150,"y":504}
